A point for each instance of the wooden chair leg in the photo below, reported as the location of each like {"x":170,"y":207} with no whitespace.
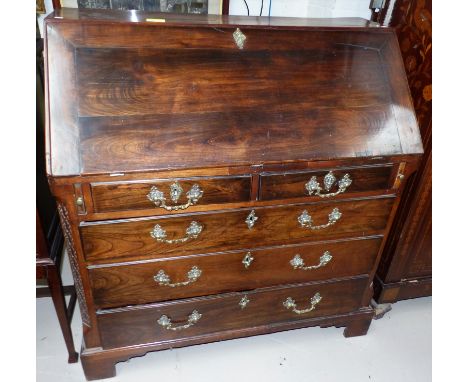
{"x":56,"y":290}
{"x":71,"y":305}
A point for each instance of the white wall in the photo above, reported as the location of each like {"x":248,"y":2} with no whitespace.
{"x":304,"y":8}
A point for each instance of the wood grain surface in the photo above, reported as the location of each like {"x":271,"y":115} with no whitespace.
{"x":118,"y":196}
{"x":289,"y":185}
{"x":226,"y":230}
{"x":127,"y":326}
{"x":132,"y":103}
{"x":153,"y":97}
{"x":129,"y":284}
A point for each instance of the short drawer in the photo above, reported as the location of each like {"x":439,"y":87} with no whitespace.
{"x":235,"y":311}
{"x":169,"y":194}
{"x":327,"y":183}
{"x":121,"y":285}
{"x":178,"y":235}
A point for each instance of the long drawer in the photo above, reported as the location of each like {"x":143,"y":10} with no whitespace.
{"x":235,"y":229}
{"x":128,"y":284}
{"x":198,"y":316}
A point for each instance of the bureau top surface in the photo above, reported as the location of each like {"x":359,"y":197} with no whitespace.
{"x":127,"y":92}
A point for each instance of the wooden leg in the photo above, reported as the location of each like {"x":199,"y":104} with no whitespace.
{"x":56,"y":290}
{"x":357,"y":327}
{"x":97,"y":367}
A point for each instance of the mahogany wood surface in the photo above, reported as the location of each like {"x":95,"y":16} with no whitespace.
{"x":115,"y":196}
{"x":223,"y":105}
{"x":132,"y":103}
{"x":390,"y":292}
{"x":283,"y":185}
{"x":100,"y":363}
{"x":131,"y":240}
{"x":411,"y":160}
{"x":133,"y":326}
{"x":128,"y":284}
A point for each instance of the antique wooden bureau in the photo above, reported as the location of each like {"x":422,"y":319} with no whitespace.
{"x":221,"y":177}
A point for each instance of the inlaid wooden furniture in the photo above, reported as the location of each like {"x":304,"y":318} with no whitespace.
{"x":405,"y":270}
{"x":221,"y":177}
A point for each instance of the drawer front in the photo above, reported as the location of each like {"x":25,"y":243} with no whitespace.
{"x":118,"y":196}
{"x":327,"y":183}
{"x":140,"y":325}
{"x":123,"y":285}
{"x":228,"y":230}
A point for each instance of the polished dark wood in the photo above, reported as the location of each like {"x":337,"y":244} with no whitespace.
{"x":131,"y":240}
{"x":406,"y":267}
{"x":227,"y":107}
{"x":152,"y":103}
{"x":101,"y":364}
{"x":117,"y":196}
{"x":402,"y":290}
{"x":283,"y":185}
{"x":45,"y":292}
{"x":133,"y":283}
{"x":357,"y":328}
{"x":134,"y":326}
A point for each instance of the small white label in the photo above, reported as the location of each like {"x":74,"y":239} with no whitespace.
{"x":156,"y":20}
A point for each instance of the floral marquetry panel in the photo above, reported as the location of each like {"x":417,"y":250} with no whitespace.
{"x":412,"y":20}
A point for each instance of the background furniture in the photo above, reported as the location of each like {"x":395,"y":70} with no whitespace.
{"x":49,"y":237}
{"x":142,"y":5}
{"x":223,"y":179}
{"x":49,"y":249}
{"x":405,"y":270}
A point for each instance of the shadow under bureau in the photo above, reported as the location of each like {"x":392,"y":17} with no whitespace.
{"x":221,"y":177}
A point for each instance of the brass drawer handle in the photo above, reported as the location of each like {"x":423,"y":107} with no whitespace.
{"x":313,"y":187}
{"x":192,"y":275}
{"x":289,"y":303}
{"x":298,"y":262}
{"x":305,"y":220}
{"x":166,"y":323}
{"x":192,"y":232}
{"x":158,"y":198}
